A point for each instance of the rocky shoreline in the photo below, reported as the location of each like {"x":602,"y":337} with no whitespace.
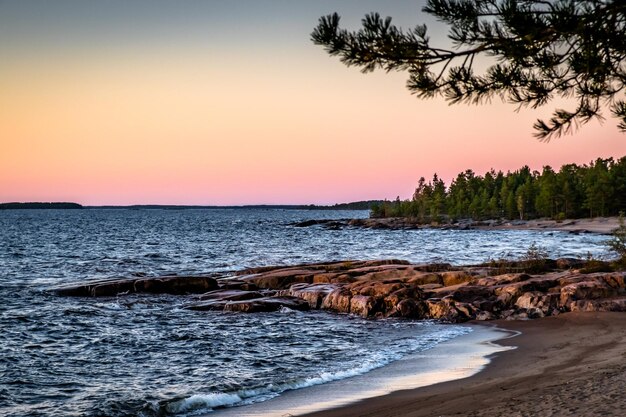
{"x":604,"y":225}
{"x":392,"y":288}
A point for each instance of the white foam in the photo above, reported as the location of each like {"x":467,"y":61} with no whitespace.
{"x":204,"y":402}
{"x":207,"y":402}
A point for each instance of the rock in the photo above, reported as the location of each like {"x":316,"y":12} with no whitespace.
{"x":607,"y":304}
{"x":210,"y":305}
{"x":426,"y":278}
{"x":434,"y":267}
{"x":157,"y":285}
{"x":585,"y":290}
{"x":230,"y":295}
{"x":616,"y":281}
{"x":470,"y":293}
{"x":569,"y":263}
{"x":484,"y":315}
{"x":267,"y":304}
{"x":455,"y":277}
{"x":363,"y":305}
{"x":537,"y":301}
{"x":466,"y":311}
{"x":429,"y":287}
{"x":502,"y":279}
{"x":281,"y":279}
{"x":374,"y":288}
{"x":313,"y":294}
{"x":388,"y":288}
{"x":443,"y":309}
{"x":410,"y":308}
{"x":235,"y":284}
{"x":534,"y":313}
{"x":338,"y":300}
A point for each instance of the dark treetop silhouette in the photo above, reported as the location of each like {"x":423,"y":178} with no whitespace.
{"x":538,"y":50}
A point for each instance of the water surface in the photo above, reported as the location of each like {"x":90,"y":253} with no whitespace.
{"x":144,"y":355}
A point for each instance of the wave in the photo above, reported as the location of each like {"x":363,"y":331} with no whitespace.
{"x":203,"y":403}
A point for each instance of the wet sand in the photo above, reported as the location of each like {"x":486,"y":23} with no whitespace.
{"x":569,"y":365}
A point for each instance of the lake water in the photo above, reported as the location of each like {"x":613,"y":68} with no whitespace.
{"x":144,"y":355}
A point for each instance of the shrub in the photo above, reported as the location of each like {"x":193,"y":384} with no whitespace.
{"x":618,"y":241}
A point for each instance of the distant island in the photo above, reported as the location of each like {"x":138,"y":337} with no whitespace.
{"x":39,"y":206}
{"x":356,"y":205}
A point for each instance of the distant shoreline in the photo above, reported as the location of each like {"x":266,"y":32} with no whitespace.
{"x":358,"y":205}
{"x":603,"y":225}
{"x":40,"y":206}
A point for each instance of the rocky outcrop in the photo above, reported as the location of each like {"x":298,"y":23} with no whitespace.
{"x":389,"y":288}
{"x":157,"y":285}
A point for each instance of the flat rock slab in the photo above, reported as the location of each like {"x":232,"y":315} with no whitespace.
{"x":156,"y":285}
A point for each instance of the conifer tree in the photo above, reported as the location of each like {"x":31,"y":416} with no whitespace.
{"x":536,"y":51}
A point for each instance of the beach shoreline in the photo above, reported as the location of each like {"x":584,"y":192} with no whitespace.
{"x":457,"y":358}
{"x":571,"y":364}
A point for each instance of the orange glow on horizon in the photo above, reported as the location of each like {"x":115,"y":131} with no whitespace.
{"x":196,"y":128}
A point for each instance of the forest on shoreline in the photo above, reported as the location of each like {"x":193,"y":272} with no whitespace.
{"x":575,"y":191}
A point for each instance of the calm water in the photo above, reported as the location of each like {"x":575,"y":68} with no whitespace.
{"x":143,"y":355}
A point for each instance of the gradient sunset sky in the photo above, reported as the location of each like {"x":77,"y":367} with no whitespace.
{"x":229,"y":102}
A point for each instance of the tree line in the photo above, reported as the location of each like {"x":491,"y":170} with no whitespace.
{"x":575,"y":191}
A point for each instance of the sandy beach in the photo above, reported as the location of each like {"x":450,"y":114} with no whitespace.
{"x":569,"y":365}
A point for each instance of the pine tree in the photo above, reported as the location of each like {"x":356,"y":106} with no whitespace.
{"x":538,"y":50}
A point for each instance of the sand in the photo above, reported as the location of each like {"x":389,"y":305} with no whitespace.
{"x":573,"y":364}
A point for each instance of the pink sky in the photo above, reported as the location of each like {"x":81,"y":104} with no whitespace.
{"x":261,"y":117}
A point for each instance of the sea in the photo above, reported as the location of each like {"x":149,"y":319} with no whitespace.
{"x":144,"y":355}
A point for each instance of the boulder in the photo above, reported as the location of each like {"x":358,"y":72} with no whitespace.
{"x":606,"y":304}
{"x":586,"y":290}
{"x":442,"y":309}
{"x":537,"y":301}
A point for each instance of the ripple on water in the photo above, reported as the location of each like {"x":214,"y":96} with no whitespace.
{"x":145,"y":355}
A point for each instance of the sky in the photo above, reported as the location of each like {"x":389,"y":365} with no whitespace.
{"x":229,"y":102}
